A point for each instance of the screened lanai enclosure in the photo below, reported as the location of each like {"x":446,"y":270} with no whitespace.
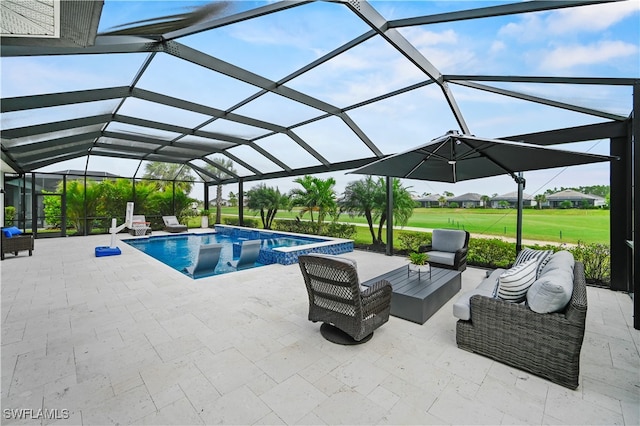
{"x":237,"y":92}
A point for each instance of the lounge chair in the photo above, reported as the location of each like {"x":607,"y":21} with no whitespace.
{"x":139,"y":225}
{"x":448,"y":249}
{"x":338,"y":300}
{"x":14,"y":241}
{"x":249,"y":251}
{"x":206,"y":261}
{"x":171,"y":224}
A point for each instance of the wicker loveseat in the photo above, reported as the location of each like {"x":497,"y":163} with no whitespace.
{"x":545,"y":344}
{"x":337,"y":299}
{"x":16,"y":243}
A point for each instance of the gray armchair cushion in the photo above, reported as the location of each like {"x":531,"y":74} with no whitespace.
{"x":446,"y":258}
{"x":447,"y":240}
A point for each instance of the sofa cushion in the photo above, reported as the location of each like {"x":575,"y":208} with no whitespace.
{"x":446,"y":258}
{"x":514,"y":283}
{"x":559,"y":260}
{"x":542,"y":257}
{"x":551,"y":292}
{"x":11,"y":231}
{"x":462,"y":306}
{"x":447,"y":240}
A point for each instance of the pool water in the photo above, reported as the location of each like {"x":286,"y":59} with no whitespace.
{"x":180,"y":251}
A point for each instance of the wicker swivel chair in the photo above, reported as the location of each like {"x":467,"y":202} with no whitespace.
{"x":337,"y":299}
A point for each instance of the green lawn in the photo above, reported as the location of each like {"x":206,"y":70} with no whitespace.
{"x":569,"y":226}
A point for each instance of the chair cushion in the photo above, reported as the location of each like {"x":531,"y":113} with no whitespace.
{"x":170,"y":221}
{"x":551,"y":292}
{"x":542,"y":257}
{"x":11,"y":231}
{"x":447,"y":240}
{"x":446,"y":258}
{"x":514,"y":283}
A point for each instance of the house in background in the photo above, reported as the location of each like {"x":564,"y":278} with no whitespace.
{"x":431,"y":200}
{"x":577,"y":199}
{"x":500,"y":201}
{"x":468,"y":200}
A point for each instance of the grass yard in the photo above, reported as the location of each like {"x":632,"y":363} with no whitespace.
{"x":569,"y":226}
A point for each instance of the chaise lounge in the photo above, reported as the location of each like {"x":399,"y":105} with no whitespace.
{"x":171,"y":224}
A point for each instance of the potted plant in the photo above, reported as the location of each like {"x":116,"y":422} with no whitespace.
{"x":418,"y":261}
{"x":204,"y":218}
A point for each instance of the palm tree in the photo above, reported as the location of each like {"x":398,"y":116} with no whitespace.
{"x":403,"y":205}
{"x":442,"y":201}
{"x":540,"y":198}
{"x":359,"y":199}
{"x":267,"y":201}
{"x":316,"y":194}
{"x":485,"y":200}
{"x":220,"y":174}
{"x":169,"y":172}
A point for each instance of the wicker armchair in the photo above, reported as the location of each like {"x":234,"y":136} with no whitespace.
{"x":547,"y":345}
{"x":16,"y":244}
{"x":336,"y":297}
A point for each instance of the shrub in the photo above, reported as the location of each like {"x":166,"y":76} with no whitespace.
{"x":597,"y":262}
{"x":234,"y":221}
{"x":491,"y":253}
{"x":9,"y":215}
{"x":411,"y":241}
{"x":333,"y":229}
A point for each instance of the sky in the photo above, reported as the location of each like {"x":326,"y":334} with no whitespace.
{"x":598,"y":40}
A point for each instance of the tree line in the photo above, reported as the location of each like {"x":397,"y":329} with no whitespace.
{"x":366,"y":197}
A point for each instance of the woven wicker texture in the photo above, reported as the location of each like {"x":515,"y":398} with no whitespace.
{"x":335,"y":296}
{"x":16,"y":244}
{"x":547,"y":345}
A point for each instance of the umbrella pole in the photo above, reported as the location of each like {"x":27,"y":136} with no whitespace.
{"x":521,"y":182}
{"x":389,"y":248}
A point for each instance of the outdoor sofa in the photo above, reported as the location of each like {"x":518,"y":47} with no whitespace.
{"x":14,"y":241}
{"x":542,"y":335}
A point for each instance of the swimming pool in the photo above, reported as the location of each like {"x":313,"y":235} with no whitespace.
{"x":180,"y":251}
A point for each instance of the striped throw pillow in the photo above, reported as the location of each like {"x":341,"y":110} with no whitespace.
{"x":514,"y":283}
{"x":542,"y":257}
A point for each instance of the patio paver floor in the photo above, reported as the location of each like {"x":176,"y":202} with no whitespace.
{"x":127,"y":340}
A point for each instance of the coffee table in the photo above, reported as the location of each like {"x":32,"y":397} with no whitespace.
{"x":416,"y":297}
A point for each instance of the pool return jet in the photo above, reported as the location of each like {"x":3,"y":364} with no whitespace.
{"x":112,"y":250}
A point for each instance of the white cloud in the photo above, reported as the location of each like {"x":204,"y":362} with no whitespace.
{"x":572,"y":55}
{"x":593,"y":18}
{"x":497,"y":46}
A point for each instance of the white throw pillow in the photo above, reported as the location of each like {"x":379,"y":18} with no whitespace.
{"x":514,"y":283}
{"x":542,"y":256}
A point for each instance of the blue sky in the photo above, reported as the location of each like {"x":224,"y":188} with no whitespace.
{"x":599,"y":40}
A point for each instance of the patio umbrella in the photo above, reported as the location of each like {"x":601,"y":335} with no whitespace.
{"x":456,"y":157}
